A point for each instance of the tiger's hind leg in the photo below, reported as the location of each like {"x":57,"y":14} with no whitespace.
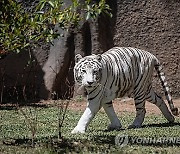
{"x":115,"y":123}
{"x":140,"y":112}
{"x":159,"y":102}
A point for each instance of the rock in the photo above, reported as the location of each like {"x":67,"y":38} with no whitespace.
{"x":150,"y":25}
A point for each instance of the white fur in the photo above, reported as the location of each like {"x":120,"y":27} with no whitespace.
{"x":101,"y":91}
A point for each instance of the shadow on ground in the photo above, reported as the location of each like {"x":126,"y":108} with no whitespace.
{"x":92,"y":144}
{"x":162,"y":125}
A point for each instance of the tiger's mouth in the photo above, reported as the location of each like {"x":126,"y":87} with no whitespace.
{"x":89,"y":86}
{"x":92,"y":86}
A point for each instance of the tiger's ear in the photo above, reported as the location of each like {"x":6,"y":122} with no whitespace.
{"x":99,"y":57}
{"x":77,"y":58}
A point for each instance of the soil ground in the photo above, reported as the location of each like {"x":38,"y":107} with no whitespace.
{"x":123,"y":105}
{"x":120,"y":105}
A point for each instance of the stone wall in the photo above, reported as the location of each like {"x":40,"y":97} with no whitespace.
{"x":152,"y":25}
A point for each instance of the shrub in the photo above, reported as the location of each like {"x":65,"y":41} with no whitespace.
{"x":20,"y":28}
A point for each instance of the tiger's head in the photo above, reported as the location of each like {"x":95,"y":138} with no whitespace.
{"x":88,"y":70}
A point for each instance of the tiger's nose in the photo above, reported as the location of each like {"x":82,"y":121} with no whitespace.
{"x":90,"y":82}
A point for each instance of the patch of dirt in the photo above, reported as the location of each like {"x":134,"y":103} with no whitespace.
{"x":120,"y":105}
{"x":123,"y":105}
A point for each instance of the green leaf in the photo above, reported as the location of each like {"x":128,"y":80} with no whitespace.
{"x":17,"y":50}
{"x":51,"y":3}
{"x":88,"y":16}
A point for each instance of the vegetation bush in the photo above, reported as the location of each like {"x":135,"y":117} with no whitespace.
{"x":20,"y":28}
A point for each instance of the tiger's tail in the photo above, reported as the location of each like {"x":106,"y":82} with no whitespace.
{"x":161,"y":76}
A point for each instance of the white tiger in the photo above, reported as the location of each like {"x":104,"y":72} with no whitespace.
{"x":115,"y":73}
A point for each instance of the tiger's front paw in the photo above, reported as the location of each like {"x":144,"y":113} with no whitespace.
{"x":78,"y":130}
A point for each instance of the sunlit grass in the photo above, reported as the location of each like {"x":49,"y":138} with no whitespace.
{"x":15,"y":134}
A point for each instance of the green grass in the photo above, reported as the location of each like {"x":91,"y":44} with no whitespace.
{"x":15,"y":134}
